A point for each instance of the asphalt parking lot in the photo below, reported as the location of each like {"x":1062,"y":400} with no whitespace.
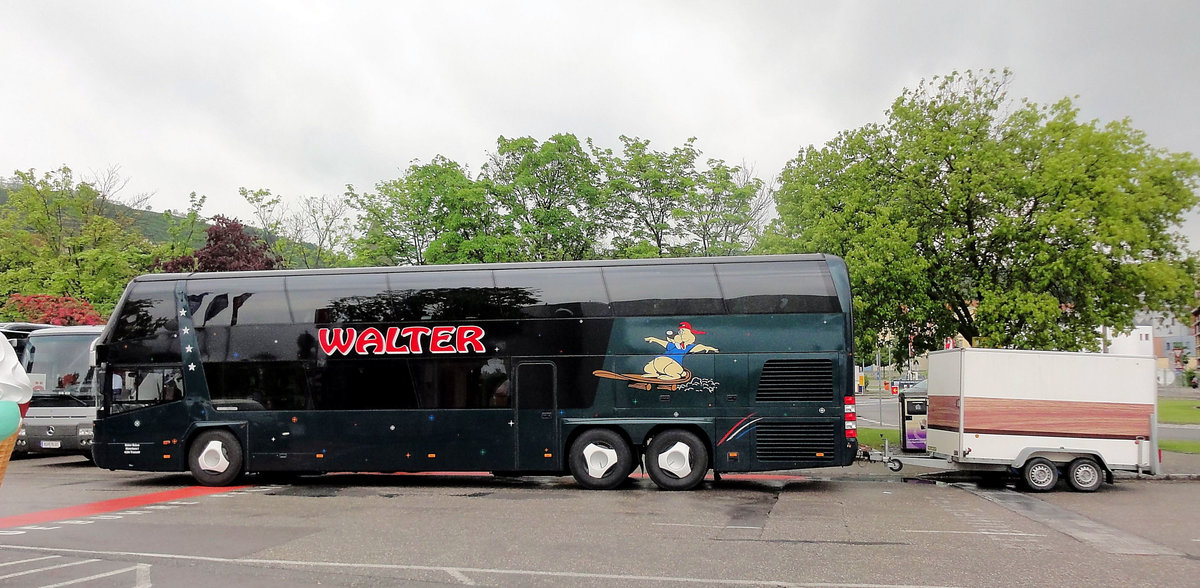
{"x":66,"y":523}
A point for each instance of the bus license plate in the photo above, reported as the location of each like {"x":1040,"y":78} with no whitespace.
{"x":51,"y":444}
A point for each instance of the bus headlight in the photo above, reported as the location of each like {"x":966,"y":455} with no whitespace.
{"x":21,"y":433}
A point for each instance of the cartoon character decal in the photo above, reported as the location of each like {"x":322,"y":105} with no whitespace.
{"x":666,"y":371}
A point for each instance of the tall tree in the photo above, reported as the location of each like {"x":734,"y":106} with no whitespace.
{"x":721,"y":212}
{"x":59,"y":242}
{"x":271,"y":214}
{"x":318,"y":231}
{"x":1012,"y":224}
{"x":433,"y":213}
{"x":550,"y":195}
{"x":644,"y":188}
{"x":183,"y":230}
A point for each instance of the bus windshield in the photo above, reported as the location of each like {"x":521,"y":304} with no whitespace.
{"x":58,"y":366}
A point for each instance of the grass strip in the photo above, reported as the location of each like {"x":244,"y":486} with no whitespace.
{"x":1179,"y":411}
{"x":1178,"y":446}
{"x":867,"y":436}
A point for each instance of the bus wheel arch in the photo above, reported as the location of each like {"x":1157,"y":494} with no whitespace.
{"x":677,"y":458}
{"x":215,"y":457}
{"x":600,"y":458}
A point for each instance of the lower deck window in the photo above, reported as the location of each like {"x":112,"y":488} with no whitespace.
{"x":137,"y":387}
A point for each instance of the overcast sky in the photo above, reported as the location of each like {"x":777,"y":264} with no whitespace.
{"x":306,"y":97}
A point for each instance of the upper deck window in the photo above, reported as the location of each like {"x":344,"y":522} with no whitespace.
{"x":556,"y":292}
{"x":448,"y":295}
{"x":238,"y":301}
{"x":148,"y":310}
{"x":766,"y":288}
{"x":358,"y":298}
{"x":663,"y":290}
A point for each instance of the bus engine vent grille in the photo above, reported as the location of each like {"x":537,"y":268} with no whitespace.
{"x":796,"y":379}
{"x":795,"y":441}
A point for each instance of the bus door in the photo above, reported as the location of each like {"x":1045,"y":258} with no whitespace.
{"x":536,"y":418}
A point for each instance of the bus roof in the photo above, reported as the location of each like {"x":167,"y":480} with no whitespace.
{"x":492,"y":266}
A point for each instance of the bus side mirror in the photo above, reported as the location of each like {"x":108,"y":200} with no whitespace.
{"x":98,"y":354}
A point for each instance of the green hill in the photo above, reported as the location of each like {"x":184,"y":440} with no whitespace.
{"x":153,"y":225}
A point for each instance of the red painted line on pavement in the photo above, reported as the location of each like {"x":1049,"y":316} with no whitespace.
{"x":105,"y":506}
{"x":752,"y":477}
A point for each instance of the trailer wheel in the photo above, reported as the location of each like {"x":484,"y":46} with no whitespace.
{"x":676,"y":460}
{"x":1085,"y":475}
{"x":895,"y":465}
{"x":1040,"y":474}
{"x":215,"y":458}
{"x":600,"y":459}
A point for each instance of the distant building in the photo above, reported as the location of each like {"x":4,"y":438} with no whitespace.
{"x":1174,"y":340}
{"x":1139,"y":341}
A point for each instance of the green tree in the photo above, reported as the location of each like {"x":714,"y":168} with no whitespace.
{"x":271,"y":214}
{"x":644,"y":188}
{"x":183,"y":231}
{"x":317,"y":233}
{"x":58,"y":241}
{"x":721,"y":212}
{"x":550,"y":196}
{"x":433,"y":213}
{"x":1011,"y":223}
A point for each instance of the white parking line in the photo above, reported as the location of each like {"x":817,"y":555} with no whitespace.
{"x":618,"y":578}
{"x":13,"y":563}
{"x":877,"y":422}
{"x":142,"y":570}
{"x":46,"y":569}
{"x":1014,"y":534}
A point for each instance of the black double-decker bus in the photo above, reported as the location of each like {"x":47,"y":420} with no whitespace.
{"x":589,"y":368}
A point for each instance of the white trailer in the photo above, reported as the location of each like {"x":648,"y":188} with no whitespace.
{"x":1042,"y":414}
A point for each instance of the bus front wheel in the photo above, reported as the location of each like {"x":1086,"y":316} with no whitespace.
{"x":215,"y":458}
{"x":676,"y":460}
{"x":600,"y":459}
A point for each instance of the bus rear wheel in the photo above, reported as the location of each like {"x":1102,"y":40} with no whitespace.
{"x":215,"y":458}
{"x":676,"y":460}
{"x":600,"y":459}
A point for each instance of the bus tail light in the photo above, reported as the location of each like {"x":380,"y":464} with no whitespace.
{"x":850,"y":417}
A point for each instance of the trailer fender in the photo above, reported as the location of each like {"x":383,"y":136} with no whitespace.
{"x":1059,"y":455}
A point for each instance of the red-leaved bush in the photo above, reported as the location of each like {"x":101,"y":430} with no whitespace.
{"x":52,"y":310}
{"x":228,"y":248}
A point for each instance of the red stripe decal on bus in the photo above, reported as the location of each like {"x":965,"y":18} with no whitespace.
{"x":731,"y":429}
{"x":105,"y":506}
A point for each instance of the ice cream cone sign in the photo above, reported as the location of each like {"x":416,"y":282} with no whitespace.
{"x":15,"y":390}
